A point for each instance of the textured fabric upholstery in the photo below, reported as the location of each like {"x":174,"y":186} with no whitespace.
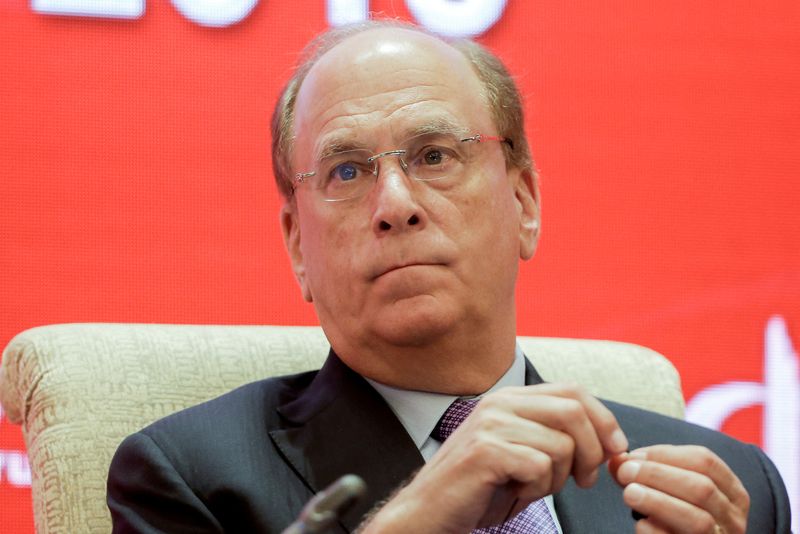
{"x":79,"y":389}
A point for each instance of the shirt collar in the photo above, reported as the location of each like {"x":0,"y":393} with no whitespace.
{"x":419,"y":411}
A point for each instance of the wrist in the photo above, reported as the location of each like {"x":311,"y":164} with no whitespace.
{"x":404,"y":512}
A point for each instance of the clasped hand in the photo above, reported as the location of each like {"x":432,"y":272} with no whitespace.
{"x":523,"y":443}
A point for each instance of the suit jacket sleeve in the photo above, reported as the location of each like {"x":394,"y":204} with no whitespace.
{"x":146,"y":494}
{"x":783,"y":515}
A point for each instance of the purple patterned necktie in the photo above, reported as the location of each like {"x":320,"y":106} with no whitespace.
{"x":535,"y":518}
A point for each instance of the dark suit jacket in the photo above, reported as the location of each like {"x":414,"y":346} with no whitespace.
{"x":248,"y":461}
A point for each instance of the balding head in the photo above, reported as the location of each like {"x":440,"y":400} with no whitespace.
{"x":498,"y":90}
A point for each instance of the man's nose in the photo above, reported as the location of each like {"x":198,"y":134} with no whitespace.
{"x":395,"y":199}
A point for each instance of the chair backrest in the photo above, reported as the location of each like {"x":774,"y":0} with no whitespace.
{"x":79,"y":389}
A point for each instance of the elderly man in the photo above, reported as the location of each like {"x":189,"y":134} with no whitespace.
{"x":410,"y":198}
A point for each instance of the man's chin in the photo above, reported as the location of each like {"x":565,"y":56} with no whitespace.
{"x":413,"y":324}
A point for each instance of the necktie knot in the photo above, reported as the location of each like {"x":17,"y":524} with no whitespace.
{"x":453,"y":416}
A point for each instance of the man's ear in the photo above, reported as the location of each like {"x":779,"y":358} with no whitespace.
{"x":290,"y":228}
{"x":529,"y":208}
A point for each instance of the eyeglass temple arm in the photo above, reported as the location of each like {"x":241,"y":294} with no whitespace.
{"x":479,"y":138}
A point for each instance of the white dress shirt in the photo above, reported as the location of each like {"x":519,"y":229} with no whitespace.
{"x":419,"y":411}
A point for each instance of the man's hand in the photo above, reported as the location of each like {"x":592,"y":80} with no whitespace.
{"x":518,"y":445}
{"x":684,"y":488}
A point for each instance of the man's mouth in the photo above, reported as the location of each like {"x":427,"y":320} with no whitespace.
{"x":405,"y":265}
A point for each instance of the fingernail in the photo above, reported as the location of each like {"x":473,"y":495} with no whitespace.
{"x":618,"y":441}
{"x":627,"y":472}
{"x":634,"y":493}
{"x":638,"y":454}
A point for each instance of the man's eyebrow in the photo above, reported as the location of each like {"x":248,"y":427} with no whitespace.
{"x":441,"y":125}
{"x":334,"y":146}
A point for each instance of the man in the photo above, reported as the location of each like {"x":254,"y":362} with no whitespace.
{"x":410,"y":198}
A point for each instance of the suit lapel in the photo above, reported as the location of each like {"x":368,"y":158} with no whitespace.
{"x":531,"y":374}
{"x":341,"y":425}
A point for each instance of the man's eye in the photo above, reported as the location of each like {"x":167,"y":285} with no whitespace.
{"x":345,"y":172}
{"x":433,"y":156}
{"x":436,"y":156}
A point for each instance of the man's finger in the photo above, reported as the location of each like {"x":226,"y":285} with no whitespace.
{"x":700,"y":460}
{"x":689,"y":486}
{"x":673,"y":514}
{"x":583,"y":453}
{"x":646,"y":526}
{"x":591,"y":425}
{"x":602,"y":419}
{"x":541,"y":452}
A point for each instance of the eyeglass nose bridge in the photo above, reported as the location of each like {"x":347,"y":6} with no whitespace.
{"x":373,"y":160}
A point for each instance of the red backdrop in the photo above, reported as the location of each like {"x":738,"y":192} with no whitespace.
{"x":136,"y":183}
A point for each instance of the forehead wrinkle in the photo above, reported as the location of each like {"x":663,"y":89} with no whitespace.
{"x":411,"y":118}
{"x":337,"y":143}
{"x":349,"y":93}
{"x":344,"y":107}
{"x":339,"y":139}
{"x":377,"y":102}
{"x":442,"y":124}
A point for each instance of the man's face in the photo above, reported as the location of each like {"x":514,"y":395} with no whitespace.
{"x":408,"y":262}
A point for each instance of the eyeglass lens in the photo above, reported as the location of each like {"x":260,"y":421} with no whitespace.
{"x":426,"y":158}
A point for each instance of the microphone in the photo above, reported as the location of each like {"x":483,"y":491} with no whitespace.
{"x":327,"y":506}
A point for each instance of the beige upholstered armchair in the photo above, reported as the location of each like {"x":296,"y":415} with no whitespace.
{"x":78,"y":389}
